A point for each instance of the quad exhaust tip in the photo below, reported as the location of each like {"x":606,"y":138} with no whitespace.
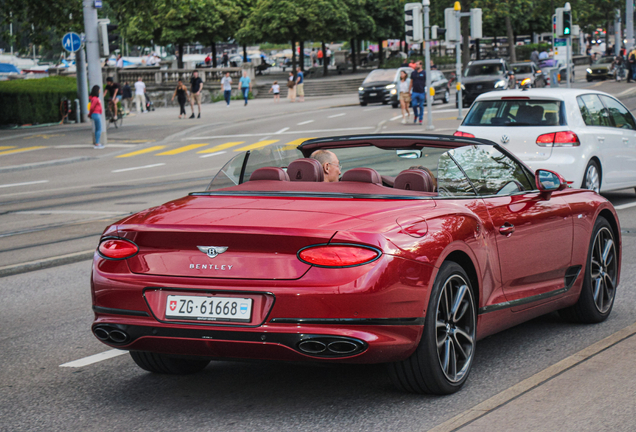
{"x":331,"y":346}
{"x":111,"y":335}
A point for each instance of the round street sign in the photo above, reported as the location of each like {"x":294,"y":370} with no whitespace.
{"x":71,"y":42}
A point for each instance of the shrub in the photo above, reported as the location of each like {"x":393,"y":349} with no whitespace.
{"x":34,"y":101}
{"x":395,"y":62}
{"x":523,"y":51}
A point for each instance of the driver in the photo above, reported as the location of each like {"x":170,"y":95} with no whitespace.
{"x":113,"y":93}
{"x":330,"y":164}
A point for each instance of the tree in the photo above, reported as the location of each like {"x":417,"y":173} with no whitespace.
{"x":388,"y":16}
{"x":327,"y":19}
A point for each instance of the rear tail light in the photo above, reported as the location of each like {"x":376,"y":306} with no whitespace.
{"x":117,"y":248}
{"x":463,"y":134}
{"x":558,"y":139}
{"x":338,"y":255}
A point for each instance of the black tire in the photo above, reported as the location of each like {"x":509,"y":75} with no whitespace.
{"x":424,"y":371}
{"x":446,"y":97}
{"x":363,"y":104}
{"x":599,"y":280}
{"x":592,"y":177}
{"x":385,"y":103}
{"x":589,"y":79}
{"x":163,"y":364}
{"x":395,"y":105}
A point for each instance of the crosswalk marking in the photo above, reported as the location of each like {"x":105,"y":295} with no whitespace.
{"x":295,"y":143}
{"x":221,"y":147}
{"x":20,"y":150}
{"x":142,"y":151}
{"x":181,"y":150}
{"x":257,"y":145}
{"x":6,"y":147}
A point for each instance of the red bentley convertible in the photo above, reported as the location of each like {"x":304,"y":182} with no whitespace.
{"x":425,"y":245}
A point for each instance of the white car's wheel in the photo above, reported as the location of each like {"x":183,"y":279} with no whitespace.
{"x":592,"y":177}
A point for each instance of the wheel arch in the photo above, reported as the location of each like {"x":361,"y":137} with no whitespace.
{"x":463,"y":259}
{"x":596,"y":159}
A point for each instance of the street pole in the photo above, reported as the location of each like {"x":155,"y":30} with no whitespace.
{"x":427,"y":59}
{"x":82,"y":85}
{"x":618,"y":40}
{"x":568,"y":49}
{"x":92,"y":58}
{"x":11,"y":30}
{"x":458,"y":67}
{"x":629,"y":24}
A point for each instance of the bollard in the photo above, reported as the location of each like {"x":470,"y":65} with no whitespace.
{"x":78,"y":113}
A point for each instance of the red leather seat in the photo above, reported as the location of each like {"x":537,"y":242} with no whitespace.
{"x":269,"y":173}
{"x":307,"y":170}
{"x":363,"y":175}
{"x":415,"y":180}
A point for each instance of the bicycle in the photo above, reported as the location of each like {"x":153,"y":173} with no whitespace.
{"x":119,"y":121}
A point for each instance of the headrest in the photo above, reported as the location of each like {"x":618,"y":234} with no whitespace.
{"x":415,"y":180}
{"x":269,"y":173}
{"x":363,"y":175}
{"x":308,"y":170}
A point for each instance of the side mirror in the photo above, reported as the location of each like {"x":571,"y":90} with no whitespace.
{"x":548,"y":182}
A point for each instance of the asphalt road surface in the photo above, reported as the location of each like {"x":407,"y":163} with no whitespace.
{"x":57,"y":198}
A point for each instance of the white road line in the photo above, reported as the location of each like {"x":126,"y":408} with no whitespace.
{"x":284,"y":133}
{"x":624,"y":206}
{"x":304,"y":123}
{"x":94,"y":358}
{"x":213,"y":154}
{"x":337,"y":115}
{"x":136,"y":168}
{"x":372,"y":109}
{"x":444,"y":110}
{"x":396,"y":117}
{"x":281,"y":131}
{"x":23,"y":184}
{"x":78,"y":212}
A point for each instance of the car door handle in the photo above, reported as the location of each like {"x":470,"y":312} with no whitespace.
{"x":601,"y":139}
{"x":507,"y":229}
{"x":625,"y":140}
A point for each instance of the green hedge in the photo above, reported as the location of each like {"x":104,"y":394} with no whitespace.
{"x":396,"y":62}
{"x":34,"y":101}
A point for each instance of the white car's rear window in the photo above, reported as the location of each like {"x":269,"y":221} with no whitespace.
{"x":516,"y":112}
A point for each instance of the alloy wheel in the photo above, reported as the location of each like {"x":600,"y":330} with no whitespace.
{"x":592,"y":178}
{"x":603,"y":270}
{"x":455,"y":328}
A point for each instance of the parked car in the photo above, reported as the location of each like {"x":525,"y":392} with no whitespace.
{"x":587,"y":136}
{"x":528,"y":73}
{"x":426,"y":245}
{"x":381,"y":86}
{"x":439,"y":83}
{"x":547,"y":65}
{"x":602,"y":69}
{"x":482,"y":76}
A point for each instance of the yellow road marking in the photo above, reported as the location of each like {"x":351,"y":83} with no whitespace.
{"x":256,"y":145}
{"x":295,"y":143}
{"x":43,"y":136}
{"x":6,"y":147}
{"x":20,"y":150}
{"x":181,"y":149}
{"x":221,"y":147}
{"x":142,"y":151}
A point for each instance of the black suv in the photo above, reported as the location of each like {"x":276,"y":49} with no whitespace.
{"x":482,"y":76}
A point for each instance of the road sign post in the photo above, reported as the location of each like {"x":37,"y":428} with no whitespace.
{"x":427,"y":58}
{"x":92,"y":58}
{"x":71,"y":42}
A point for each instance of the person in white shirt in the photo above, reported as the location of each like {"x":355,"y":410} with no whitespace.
{"x":226,"y":86}
{"x":120,"y":61}
{"x":405,"y":95}
{"x":328,"y":56}
{"x":276,"y":90}
{"x":140,"y":96}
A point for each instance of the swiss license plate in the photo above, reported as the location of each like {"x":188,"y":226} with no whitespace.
{"x":373,"y":94}
{"x":209,"y":308}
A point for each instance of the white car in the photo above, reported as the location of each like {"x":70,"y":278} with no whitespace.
{"x":587,"y":136}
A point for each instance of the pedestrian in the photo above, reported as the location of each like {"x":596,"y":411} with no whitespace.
{"x":181,"y":92}
{"x":196,"y":86}
{"x":226,"y":86}
{"x":225,"y":59}
{"x":543,"y":55}
{"x":405,"y":95}
{"x":312,"y":56}
{"x":328,"y":56}
{"x":245,"y":86}
{"x":140,"y":96}
{"x":126,"y":97}
{"x":418,"y":91}
{"x":534,"y":57}
{"x":276,"y":90}
{"x":320,"y":55}
{"x":120,"y":61}
{"x":113,"y":94}
{"x":631,"y":61}
{"x":300,"y":86}
{"x":208,"y":60}
{"x":433,"y":67}
{"x":291,"y":87}
{"x":95,"y":113}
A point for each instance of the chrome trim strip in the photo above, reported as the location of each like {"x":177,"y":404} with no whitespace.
{"x":100,"y":309}
{"x":350,"y":321}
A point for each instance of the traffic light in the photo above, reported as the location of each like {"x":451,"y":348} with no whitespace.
{"x":413,"y":27}
{"x":437,"y":32}
{"x":450,"y":22}
{"x":567,"y":22}
{"x":113,"y":37}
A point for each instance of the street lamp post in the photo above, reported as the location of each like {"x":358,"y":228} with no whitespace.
{"x":458,"y":67}
{"x":427,"y":58}
{"x":568,"y":53}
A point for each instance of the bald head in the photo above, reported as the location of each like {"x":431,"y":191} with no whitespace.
{"x":330,"y":164}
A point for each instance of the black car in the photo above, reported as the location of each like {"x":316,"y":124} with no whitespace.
{"x":439,"y":83}
{"x":381,"y":85}
{"x":482,"y":76}
{"x":528,"y":71}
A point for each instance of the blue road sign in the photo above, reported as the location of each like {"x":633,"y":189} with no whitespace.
{"x":71,"y":42}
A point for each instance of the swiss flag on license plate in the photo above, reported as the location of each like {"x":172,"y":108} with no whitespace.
{"x":173,"y":305}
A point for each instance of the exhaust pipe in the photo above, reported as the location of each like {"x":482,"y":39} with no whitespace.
{"x":118,"y":336}
{"x":101,"y":333}
{"x":110,"y":334}
{"x":330,"y":346}
{"x":312,"y":346}
{"x":342,"y":347}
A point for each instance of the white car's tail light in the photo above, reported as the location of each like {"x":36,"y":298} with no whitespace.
{"x":558,"y":139}
{"x":463,"y":134}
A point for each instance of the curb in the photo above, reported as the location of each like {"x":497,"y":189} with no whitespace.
{"x":534,"y":381}
{"x":46,"y":263}
{"x":45,"y":164}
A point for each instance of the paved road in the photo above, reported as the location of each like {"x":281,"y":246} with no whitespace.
{"x":45,"y":315}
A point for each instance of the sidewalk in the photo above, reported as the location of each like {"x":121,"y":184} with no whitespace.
{"x":593,"y":390}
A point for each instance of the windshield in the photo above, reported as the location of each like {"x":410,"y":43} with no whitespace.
{"x":380,"y":75}
{"x":522,"y":69}
{"x":516,"y":112}
{"x":483,"y":69}
{"x":604,"y":60}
